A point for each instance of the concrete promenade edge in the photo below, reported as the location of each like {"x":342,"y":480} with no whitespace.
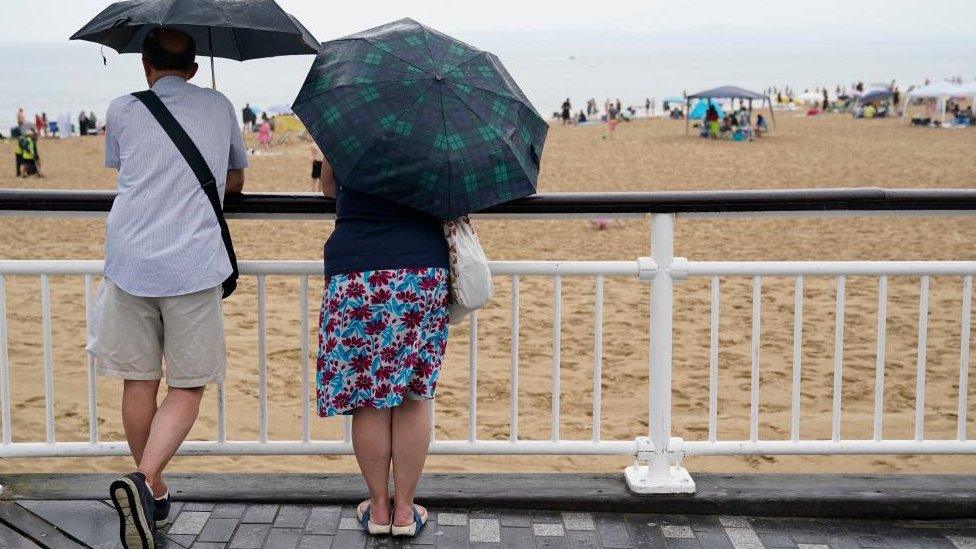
{"x":853,"y":496}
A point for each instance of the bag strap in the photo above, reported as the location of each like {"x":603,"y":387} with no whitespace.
{"x":208,"y":183}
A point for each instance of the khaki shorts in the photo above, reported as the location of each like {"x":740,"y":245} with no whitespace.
{"x":131,"y":335}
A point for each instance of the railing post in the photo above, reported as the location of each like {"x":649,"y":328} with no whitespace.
{"x":658,"y":467}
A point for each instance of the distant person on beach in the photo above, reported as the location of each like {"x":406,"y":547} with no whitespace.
{"x":567,"y":112}
{"x":21,"y":120}
{"x":317,"y":159}
{"x":265,"y":132}
{"x":386,"y":282}
{"x":93,"y":123}
{"x":712,"y":121}
{"x":249,"y":118}
{"x":613,"y":119}
{"x":761,"y":126}
{"x":165,"y":264}
{"x":30,"y":158}
{"x":83,"y":123}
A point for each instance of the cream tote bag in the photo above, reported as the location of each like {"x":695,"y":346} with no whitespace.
{"x":471,"y":285}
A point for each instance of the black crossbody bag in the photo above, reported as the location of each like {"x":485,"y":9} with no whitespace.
{"x":199,"y":166}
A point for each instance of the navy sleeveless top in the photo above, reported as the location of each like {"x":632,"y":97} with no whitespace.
{"x":372,"y":234}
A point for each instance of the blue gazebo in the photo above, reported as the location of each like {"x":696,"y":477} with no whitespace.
{"x":728,"y":92}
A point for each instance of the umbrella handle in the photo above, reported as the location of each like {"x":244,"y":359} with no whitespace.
{"x":213,"y":74}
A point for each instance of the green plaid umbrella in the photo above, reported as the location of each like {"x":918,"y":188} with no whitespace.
{"x":412,"y":115}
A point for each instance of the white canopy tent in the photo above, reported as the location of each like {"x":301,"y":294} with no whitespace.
{"x":941,"y":92}
{"x":969,"y":90}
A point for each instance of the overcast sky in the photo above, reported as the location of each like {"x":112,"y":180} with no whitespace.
{"x":856,"y":20}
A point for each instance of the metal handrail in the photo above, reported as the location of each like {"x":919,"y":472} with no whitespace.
{"x":786,"y":200}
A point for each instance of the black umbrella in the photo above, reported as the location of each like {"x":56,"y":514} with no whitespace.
{"x":232,"y":29}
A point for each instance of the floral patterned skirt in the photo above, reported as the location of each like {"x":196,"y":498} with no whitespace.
{"x":382,"y":336}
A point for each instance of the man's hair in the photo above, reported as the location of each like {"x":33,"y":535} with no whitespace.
{"x":169,"y":59}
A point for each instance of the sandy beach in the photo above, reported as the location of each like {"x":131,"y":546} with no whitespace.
{"x":828,"y":151}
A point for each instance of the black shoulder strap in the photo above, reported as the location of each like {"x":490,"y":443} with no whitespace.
{"x":200,"y":168}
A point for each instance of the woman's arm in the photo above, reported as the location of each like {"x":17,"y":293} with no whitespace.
{"x":328,"y":181}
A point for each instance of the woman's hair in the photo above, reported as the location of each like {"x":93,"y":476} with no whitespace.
{"x":169,"y":49}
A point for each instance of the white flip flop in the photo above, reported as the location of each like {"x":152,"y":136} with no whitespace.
{"x":410,"y":530}
{"x":373,"y":529}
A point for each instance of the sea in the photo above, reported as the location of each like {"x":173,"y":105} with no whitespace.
{"x":66,"y":77}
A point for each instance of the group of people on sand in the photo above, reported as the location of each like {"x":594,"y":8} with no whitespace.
{"x":734,"y":125}
{"x":613,"y":114}
{"x":384,"y":317}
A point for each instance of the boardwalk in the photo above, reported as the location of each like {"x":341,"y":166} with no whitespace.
{"x":91,"y":523}
{"x":512,"y":511}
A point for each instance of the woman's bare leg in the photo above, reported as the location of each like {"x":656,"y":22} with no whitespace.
{"x":371,"y":439}
{"x":411,"y":438}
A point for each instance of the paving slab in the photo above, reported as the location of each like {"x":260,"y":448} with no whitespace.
{"x":260,"y":513}
{"x":34,"y":527}
{"x":283,"y":538}
{"x":323,"y":520}
{"x":14,"y":540}
{"x":190,"y":522}
{"x":218,"y":530}
{"x":90,"y":522}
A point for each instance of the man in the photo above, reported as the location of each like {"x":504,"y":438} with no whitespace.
{"x":165,"y":262}
{"x":82,"y":124}
{"x":249,"y":118}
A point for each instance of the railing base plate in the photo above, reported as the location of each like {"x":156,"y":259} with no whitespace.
{"x":640,"y":480}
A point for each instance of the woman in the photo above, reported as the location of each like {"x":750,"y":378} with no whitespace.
{"x":264,"y":132}
{"x":382,"y":335}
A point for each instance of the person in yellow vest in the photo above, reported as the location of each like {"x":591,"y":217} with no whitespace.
{"x":30,"y":159}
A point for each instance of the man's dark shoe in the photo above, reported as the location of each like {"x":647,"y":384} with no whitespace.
{"x":136,"y":508}
{"x":161,"y":514}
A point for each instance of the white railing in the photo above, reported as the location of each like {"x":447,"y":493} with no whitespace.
{"x":658,"y":453}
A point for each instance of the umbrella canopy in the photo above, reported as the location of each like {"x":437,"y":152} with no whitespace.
{"x":407,"y":113}
{"x":727,"y":92}
{"x":229,"y":29}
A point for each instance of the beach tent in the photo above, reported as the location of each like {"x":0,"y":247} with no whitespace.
{"x":877,"y":94}
{"x":941,"y":92}
{"x":968,"y":90}
{"x":731,"y":92}
{"x":701,"y":108}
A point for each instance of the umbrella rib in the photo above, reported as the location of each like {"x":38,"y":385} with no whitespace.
{"x":430,"y":53}
{"x":237,"y":43}
{"x":466,"y":61}
{"x":393,"y":55}
{"x":505,"y":139}
{"x":353,"y":85}
{"x":493,"y":92}
{"x":447,"y":150}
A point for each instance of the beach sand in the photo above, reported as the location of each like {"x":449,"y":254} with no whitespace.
{"x":830,"y":151}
